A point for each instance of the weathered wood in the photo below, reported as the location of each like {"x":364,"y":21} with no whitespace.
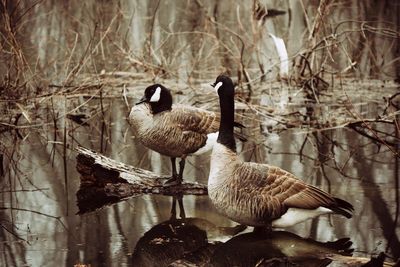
{"x":105,"y":181}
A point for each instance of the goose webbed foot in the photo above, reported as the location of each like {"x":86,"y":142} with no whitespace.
{"x":174,"y":180}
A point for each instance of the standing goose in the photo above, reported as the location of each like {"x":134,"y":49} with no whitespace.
{"x":259,"y":194}
{"x":173,"y":130}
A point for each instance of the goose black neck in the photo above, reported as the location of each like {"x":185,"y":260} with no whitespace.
{"x":225,"y":136}
{"x":160,"y":107}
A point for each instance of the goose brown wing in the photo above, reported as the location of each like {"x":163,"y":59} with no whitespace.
{"x":194,"y":119}
{"x":168,"y":138}
{"x":310,"y":197}
{"x":297,"y":194}
{"x":275,"y":190}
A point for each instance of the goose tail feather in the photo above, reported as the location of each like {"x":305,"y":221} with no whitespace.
{"x":342,"y":207}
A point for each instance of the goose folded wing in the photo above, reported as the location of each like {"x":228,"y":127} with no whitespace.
{"x":294,"y":193}
{"x":194,"y":119}
{"x":198,"y":120}
{"x":275,"y":190}
{"x":310,"y":197}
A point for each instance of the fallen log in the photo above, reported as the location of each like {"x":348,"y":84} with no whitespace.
{"x":105,"y":181}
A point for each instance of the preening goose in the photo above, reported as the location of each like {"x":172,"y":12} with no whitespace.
{"x":173,"y":130}
{"x":259,"y":194}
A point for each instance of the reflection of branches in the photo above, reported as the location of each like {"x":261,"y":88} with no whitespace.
{"x":378,"y":204}
{"x":12,"y":233}
{"x":124,"y":238}
{"x":362,"y":127}
{"x":397,"y":197}
{"x":375,"y":137}
{"x":302,"y":147}
{"x":23,"y":190}
{"x":57,"y":218}
{"x":375,"y":134}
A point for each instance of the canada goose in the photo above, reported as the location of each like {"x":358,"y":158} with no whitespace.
{"x":259,"y":194}
{"x":173,"y":130}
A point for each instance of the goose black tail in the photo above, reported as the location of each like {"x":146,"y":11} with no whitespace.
{"x":343,"y":207}
{"x":343,"y":246}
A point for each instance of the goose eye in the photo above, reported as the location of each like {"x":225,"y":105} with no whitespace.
{"x":156,"y":96}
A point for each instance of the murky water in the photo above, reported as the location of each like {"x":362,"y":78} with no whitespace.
{"x":39,"y":183}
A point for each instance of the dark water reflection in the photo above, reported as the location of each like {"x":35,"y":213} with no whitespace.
{"x":185,"y":241}
{"x":38,"y":188}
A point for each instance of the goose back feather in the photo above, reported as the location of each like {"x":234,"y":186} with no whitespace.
{"x":176,"y":132}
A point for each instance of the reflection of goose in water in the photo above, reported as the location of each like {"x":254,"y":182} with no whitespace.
{"x":184,"y":242}
{"x":171,"y":240}
{"x":173,"y":130}
{"x":167,"y":242}
{"x":259,"y":194}
{"x":279,"y":249}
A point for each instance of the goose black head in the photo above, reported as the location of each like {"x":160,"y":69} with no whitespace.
{"x":223,"y":85}
{"x":158,"y":97}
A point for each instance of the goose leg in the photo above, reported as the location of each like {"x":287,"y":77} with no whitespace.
{"x":174,"y":180}
{"x":173,"y":166}
{"x":181,"y":167}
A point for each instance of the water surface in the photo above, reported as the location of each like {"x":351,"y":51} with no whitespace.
{"x":40,"y":181}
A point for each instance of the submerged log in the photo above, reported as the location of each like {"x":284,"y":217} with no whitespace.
{"x":105,"y":181}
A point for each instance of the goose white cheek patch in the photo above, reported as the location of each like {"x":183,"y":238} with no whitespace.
{"x":217,"y":86}
{"x":156,"y":96}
